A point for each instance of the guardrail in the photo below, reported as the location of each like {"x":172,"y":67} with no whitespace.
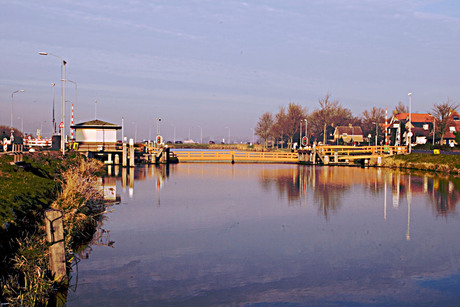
{"x":236,"y":156}
{"x":361,"y":150}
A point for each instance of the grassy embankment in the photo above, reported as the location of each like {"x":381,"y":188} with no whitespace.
{"x":427,"y":162}
{"x":46,"y":181}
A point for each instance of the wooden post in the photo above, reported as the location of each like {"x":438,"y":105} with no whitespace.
{"x":124,"y":157}
{"x":55,"y":236}
{"x":131,"y":152}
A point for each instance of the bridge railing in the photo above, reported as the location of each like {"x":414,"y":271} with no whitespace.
{"x":236,"y":156}
{"x":361,"y":150}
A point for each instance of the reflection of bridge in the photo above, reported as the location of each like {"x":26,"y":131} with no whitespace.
{"x":312,"y":155}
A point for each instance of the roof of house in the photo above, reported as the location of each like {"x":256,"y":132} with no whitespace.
{"x":415,"y":117}
{"x":355,"y":130}
{"x":96,"y":123}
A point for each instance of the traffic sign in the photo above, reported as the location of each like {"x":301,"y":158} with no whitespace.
{"x":61,"y":125}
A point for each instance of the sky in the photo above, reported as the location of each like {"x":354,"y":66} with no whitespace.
{"x":212,"y":68}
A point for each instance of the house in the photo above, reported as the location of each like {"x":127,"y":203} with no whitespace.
{"x":348,"y":134}
{"x":454,"y":126}
{"x":95,"y":135}
{"x":420,"y":124}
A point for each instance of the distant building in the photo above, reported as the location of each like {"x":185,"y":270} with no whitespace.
{"x":348,"y":134}
{"x":95,"y":135}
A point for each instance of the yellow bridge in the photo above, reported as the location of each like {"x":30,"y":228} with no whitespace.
{"x":236,"y":156}
{"x":313,"y":155}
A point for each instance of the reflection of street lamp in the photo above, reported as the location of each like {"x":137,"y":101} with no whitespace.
{"x":410,"y":122}
{"x":63,"y":63}
{"x":11,"y":125}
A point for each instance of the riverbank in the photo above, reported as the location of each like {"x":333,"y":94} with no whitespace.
{"x":43,"y":181}
{"x":449,"y":164}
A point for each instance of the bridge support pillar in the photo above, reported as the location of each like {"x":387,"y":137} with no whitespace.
{"x":124,"y":156}
{"x":131,"y":152}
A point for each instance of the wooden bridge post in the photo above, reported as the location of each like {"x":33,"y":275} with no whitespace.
{"x":55,"y":236}
{"x":131,"y":152}
{"x":124,"y":157}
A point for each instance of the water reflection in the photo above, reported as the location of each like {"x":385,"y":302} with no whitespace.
{"x":328,"y":184}
{"x":273,"y":234}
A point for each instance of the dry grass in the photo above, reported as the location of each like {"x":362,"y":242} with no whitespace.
{"x":80,"y":196}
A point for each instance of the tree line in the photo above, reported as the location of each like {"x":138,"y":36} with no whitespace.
{"x":284,"y":127}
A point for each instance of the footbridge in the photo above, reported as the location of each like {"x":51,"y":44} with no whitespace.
{"x":339,"y":155}
{"x":331,"y":154}
{"x":236,"y":156}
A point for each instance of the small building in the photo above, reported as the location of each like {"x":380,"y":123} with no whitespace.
{"x":95,"y":135}
{"x":348,"y":134}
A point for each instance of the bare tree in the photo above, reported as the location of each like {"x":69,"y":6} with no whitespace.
{"x":329,"y":113}
{"x":401,"y":108}
{"x":264,"y":127}
{"x":280,"y":125}
{"x":441,"y":113}
{"x":369,"y":117}
{"x":295,"y":114}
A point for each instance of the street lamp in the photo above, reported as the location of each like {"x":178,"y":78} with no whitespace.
{"x":158,"y":126}
{"x":410,"y":122}
{"x":11,"y":123}
{"x":306,"y":126}
{"x":201,"y":134}
{"x":135,"y":132}
{"x":228,"y":134}
{"x":376,"y":132}
{"x":22,"y":125}
{"x":54,"y":120}
{"x":62,"y":125}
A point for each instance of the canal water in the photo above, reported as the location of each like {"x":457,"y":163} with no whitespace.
{"x":272,"y":235}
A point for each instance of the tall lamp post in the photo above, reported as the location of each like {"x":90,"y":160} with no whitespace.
{"x":63,"y":63}
{"x":201,"y":134}
{"x":11,"y":123}
{"x":54,"y":120}
{"x":306,"y":127}
{"x":410,"y":122}
{"x":376,"y":124}
{"x":72,"y":119}
{"x":228,"y":134}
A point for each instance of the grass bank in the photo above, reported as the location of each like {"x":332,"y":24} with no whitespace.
{"x":427,"y":162}
{"x":46,"y":180}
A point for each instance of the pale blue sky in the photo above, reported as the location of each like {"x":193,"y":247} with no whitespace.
{"x":218,"y":64}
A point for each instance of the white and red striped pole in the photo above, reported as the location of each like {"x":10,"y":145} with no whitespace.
{"x":386,"y":126}
{"x":71,"y":124}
